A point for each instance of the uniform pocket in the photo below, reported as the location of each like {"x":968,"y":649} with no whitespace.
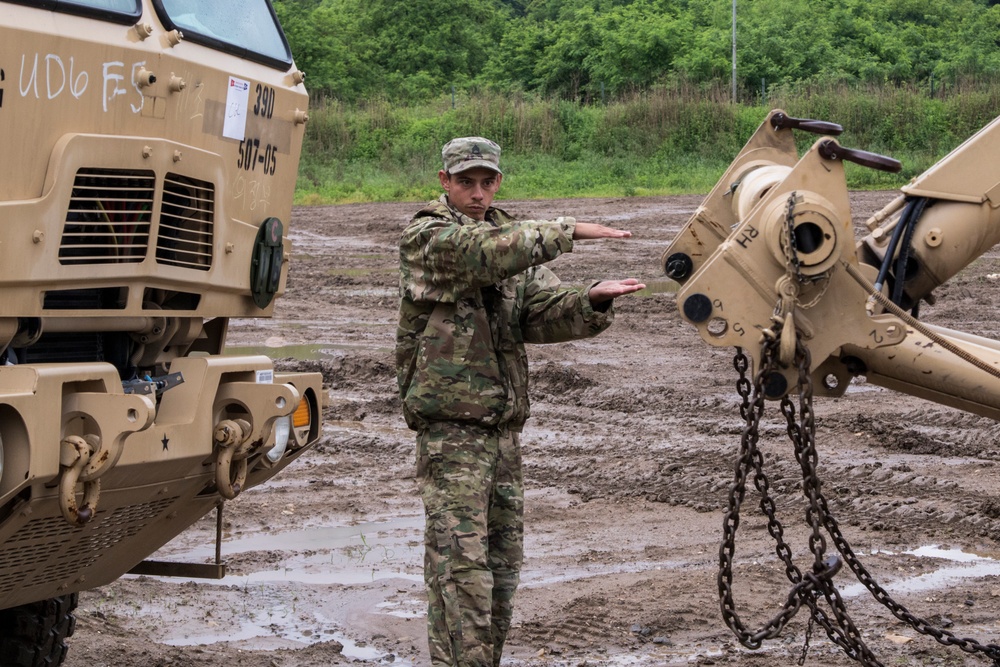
{"x":457,"y":377}
{"x":463,"y":330}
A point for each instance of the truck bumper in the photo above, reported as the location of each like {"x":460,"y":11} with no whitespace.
{"x":73,"y":519}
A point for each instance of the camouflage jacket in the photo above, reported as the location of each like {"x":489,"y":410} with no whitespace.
{"x":471,"y":295}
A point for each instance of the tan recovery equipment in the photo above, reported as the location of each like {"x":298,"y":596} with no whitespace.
{"x":769,"y":264}
{"x":150,"y":151}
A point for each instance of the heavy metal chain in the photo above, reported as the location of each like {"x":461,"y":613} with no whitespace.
{"x":793,"y":267}
{"x":805,"y":453}
{"x":810,"y":588}
{"x":806,"y":589}
{"x":802,"y":433}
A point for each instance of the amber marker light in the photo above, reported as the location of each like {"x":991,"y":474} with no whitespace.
{"x":300,"y":418}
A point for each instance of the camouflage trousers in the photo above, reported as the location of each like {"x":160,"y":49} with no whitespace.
{"x":471,"y":483}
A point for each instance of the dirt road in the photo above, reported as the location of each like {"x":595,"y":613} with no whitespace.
{"x":629,"y":458}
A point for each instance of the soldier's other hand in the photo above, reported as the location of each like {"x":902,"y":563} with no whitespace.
{"x":592,"y":230}
{"x":608,"y":289}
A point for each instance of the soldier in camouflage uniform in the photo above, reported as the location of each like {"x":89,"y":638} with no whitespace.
{"x":473,"y":291}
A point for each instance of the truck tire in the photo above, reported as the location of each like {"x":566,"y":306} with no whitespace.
{"x":34,"y":635}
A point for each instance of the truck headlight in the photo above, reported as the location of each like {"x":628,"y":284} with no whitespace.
{"x":282,"y":429}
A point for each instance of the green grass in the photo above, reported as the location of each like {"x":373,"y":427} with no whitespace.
{"x":537,"y":176}
{"x":660,"y":142}
{"x":548,"y":176}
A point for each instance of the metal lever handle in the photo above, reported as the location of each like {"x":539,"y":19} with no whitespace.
{"x":831,"y":150}
{"x":781,"y":121}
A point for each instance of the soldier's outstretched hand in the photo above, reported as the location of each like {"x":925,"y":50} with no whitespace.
{"x":592,"y":230}
{"x":608,"y":289}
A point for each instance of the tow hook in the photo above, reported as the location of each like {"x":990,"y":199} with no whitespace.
{"x":231,"y":436}
{"x":74,"y":456}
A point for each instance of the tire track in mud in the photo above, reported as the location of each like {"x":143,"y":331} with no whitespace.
{"x":629,"y":458}
{"x":882,"y":491}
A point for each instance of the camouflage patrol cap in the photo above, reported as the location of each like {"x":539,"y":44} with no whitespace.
{"x":470,"y":152}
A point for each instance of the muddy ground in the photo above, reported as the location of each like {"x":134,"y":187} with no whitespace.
{"x":629,"y":458}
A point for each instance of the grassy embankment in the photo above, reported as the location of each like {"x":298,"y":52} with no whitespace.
{"x":654,"y":143}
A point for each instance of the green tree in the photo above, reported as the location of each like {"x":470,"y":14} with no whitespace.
{"x":578,"y":49}
{"x":323,"y":37}
{"x":636,"y":45}
{"x":353,"y":49}
{"x":433,"y":42}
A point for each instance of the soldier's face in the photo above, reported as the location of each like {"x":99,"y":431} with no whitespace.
{"x":471,"y":191}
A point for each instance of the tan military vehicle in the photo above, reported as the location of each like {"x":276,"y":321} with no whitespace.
{"x":150,"y":150}
{"x":769,"y":264}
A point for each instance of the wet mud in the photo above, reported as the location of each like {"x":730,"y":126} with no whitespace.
{"x":629,"y":458}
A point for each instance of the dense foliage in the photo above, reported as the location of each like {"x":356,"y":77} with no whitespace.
{"x":627,"y":97}
{"x":592,"y":49}
{"x":664,"y":141}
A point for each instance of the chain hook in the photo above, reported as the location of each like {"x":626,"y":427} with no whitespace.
{"x":231,"y":436}
{"x":74,"y":456}
{"x":811,"y":587}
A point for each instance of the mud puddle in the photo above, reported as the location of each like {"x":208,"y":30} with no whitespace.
{"x":954,"y":566}
{"x":277,"y":349}
{"x":323,"y":555}
{"x":628,"y":458}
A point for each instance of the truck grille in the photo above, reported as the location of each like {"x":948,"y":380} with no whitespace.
{"x":50,"y":550}
{"x":110,"y":219}
{"x":187,"y":223}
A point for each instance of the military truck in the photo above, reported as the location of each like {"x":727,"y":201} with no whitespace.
{"x":769,"y":264}
{"x":150,"y":150}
